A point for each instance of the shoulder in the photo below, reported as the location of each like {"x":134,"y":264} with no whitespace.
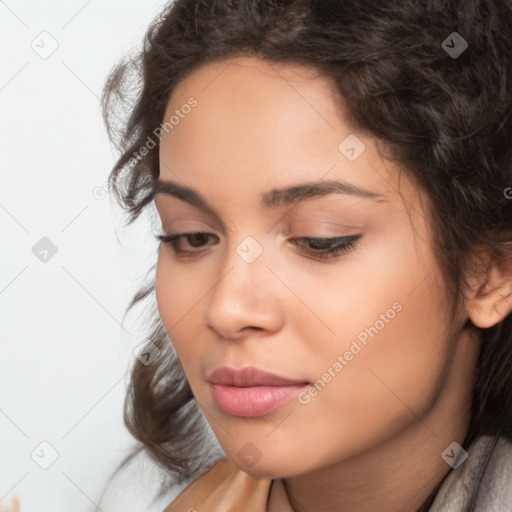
{"x":141,"y":484}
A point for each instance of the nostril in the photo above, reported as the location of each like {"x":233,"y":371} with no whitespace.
{"x":240,"y":333}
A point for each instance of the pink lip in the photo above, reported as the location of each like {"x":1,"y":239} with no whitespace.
{"x":249,"y":376}
{"x":251,"y":392}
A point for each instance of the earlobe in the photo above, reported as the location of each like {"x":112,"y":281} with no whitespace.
{"x":491,"y":299}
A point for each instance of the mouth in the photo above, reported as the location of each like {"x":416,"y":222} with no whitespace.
{"x":250,"y":392}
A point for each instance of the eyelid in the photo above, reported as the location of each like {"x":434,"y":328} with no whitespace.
{"x":191,"y":226}
{"x":171,"y":210}
{"x":346,"y":244}
{"x":315,"y":223}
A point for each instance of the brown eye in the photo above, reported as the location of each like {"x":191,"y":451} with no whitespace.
{"x":197,"y":239}
{"x":328,"y":247}
{"x":194,"y":240}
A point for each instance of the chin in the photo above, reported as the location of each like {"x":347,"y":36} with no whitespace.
{"x":271,"y":469}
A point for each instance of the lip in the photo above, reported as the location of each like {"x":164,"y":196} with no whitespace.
{"x":249,"y":376}
{"x":251,"y":392}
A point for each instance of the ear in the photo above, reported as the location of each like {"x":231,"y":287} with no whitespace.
{"x":491,"y":290}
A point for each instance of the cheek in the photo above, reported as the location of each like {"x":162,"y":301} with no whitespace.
{"x":383,"y":385}
{"x":181,"y":301}
{"x":384,"y":290}
{"x":389,"y":318}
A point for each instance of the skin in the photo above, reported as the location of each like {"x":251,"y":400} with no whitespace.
{"x":378,"y":428}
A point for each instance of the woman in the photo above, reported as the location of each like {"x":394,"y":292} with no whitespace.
{"x":334,"y":280}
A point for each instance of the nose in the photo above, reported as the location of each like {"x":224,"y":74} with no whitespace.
{"x":245,"y":300}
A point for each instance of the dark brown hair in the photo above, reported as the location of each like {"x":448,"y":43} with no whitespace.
{"x":446,"y":119}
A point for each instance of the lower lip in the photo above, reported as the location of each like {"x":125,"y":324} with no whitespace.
{"x":253,"y":401}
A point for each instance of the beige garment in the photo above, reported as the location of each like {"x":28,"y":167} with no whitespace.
{"x":223,"y":488}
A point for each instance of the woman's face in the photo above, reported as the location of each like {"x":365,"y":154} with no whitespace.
{"x":363,"y":332}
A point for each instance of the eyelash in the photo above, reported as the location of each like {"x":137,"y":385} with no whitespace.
{"x":345,"y":244}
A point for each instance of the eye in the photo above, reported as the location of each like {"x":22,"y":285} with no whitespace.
{"x":196,"y":239}
{"x":328,"y":247}
{"x":322,"y":248}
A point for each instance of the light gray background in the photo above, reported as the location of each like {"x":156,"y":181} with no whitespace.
{"x":64,"y":355}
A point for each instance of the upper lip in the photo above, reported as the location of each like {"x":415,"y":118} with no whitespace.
{"x":249,"y":376}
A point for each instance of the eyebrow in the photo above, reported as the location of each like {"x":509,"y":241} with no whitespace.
{"x":273,"y":198}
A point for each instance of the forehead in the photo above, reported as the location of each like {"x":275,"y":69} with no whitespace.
{"x":263,"y":79}
{"x":262,"y":125}
{"x":258,"y":104}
